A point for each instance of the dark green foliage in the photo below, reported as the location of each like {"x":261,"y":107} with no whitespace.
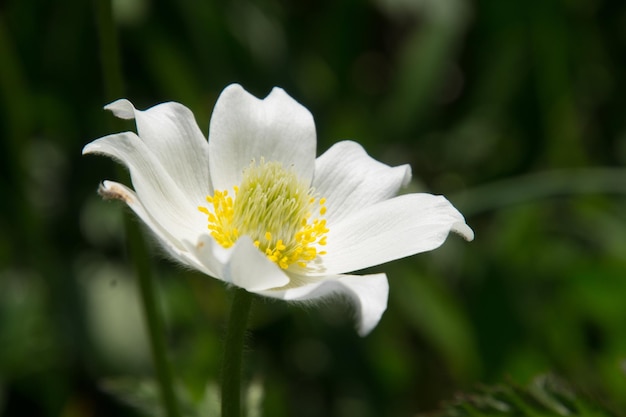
{"x":515,"y":110}
{"x":546,"y":396}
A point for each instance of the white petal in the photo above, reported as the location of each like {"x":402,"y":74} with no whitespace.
{"x":389,"y":230}
{"x":172,"y":134}
{"x":369,"y":294}
{"x":250,"y":269}
{"x":175,"y":248}
{"x":159,"y":194}
{"x":209,"y":254}
{"x":351,"y":180}
{"x":122,"y":108}
{"x":244,"y":128}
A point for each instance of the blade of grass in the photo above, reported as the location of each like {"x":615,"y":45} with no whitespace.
{"x":114,"y":88}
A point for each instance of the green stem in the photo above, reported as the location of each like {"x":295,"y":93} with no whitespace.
{"x":233,"y":351}
{"x":114,"y":89}
{"x":154,"y":319}
{"x":109,"y":51}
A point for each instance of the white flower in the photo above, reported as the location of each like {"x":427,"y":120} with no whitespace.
{"x":255,"y":208}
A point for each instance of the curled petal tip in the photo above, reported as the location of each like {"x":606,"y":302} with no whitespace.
{"x":464,"y":230}
{"x":112,"y":191}
{"x":122,"y":108}
{"x":88,"y":148}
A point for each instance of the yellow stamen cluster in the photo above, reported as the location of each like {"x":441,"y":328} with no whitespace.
{"x":275,"y":209}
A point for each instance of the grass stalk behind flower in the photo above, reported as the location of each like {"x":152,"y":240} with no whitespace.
{"x":540,"y":186}
{"x":114,"y":89}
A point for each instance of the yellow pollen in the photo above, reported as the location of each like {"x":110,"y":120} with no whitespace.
{"x":275,"y":209}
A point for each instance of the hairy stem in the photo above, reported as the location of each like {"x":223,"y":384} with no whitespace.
{"x":233,"y":351}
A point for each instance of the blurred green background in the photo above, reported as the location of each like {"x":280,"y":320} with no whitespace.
{"x":515,"y":110}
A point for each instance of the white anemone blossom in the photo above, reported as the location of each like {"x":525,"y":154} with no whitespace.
{"x":253,"y":207}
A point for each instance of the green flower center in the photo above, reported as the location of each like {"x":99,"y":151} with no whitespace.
{"x":275,"y":209}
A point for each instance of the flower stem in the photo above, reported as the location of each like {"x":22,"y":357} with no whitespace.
{"x":113,"y":89}
{"x":233,"y":350}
